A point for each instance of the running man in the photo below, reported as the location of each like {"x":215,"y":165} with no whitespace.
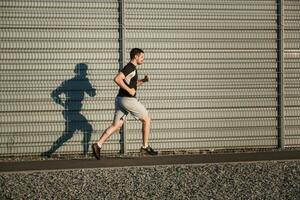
{"x":126,"y":102}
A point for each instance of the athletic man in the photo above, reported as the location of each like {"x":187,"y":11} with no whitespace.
{"x":126,"y":102}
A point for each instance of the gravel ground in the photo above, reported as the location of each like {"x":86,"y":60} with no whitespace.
{"x":253,"y":180}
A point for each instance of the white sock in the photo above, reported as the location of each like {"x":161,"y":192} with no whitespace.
{"x":144,"y":147}
{"x":99,"y":145}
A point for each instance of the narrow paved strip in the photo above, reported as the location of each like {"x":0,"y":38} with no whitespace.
{"x":109,"y":162}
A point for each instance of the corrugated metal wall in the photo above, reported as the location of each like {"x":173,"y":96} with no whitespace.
{"x":41,"y":43}
{"x":292,"y":72}
{"x":213,"y":69}
{"x":212,"y":66}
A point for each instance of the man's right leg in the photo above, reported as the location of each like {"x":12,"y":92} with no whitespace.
{"x":105,"y":135}
{"x":109,"y":131}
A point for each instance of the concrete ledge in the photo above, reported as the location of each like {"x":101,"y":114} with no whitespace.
{"x":109,"y":162}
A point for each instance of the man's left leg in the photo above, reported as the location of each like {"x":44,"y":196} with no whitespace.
{"x":138,"y":110}
{"x":146,"y":132}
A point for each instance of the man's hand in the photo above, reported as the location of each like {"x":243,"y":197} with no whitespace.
{"x":131,"y":91}
{"x":146,"y":79}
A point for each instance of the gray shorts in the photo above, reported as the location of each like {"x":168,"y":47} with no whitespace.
{"x":126,"y":105}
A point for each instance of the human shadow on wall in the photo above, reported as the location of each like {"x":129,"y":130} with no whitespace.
{"x":73,"y":90}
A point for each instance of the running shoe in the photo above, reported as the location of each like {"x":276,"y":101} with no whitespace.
{"x":148,"y":150}
{"x":96,"y":151}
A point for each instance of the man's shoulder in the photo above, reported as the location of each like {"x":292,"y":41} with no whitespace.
{"x":128,"y":68}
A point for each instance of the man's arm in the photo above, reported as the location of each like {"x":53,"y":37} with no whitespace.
{"x":141,"y":81}
{"x":119,"y":80}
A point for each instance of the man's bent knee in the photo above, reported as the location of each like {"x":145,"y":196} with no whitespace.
{"x":146,"y":119}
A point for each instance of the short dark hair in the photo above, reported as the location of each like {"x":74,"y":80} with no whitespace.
{"x":134,"y":52}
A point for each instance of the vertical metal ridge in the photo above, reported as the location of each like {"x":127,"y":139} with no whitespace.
{"x":280,"y":63}
{"x":122,"y":53}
